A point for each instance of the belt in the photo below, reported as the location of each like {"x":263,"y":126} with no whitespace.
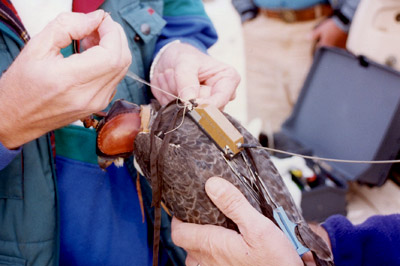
{"x":298,"y":15}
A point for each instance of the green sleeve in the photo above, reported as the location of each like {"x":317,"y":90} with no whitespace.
{"x":184,"y":8}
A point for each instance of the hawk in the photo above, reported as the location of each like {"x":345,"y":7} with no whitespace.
{"x":177,"y":156}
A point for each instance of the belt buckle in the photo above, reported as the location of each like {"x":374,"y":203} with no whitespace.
{"x":288,"y":16}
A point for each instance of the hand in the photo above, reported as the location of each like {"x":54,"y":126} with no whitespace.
{"x":260,"y":242}
{"x":308,"y":258}
{"x":42,"y":90}
{"x":181,"y":70}
{"x":329,"y":34}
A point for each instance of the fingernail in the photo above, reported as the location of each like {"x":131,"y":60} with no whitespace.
{"x":215,"y":187}
{"x":96,"y":14}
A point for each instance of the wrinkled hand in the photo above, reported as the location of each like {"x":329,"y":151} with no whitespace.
{"x":260,"y":242}
{"x":181,"y":70}
{"x":42,"y":90}
{"x":329,"y":34}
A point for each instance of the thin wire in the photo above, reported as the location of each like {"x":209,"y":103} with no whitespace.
{"x":186,"y":103}
{"x":324,"y":159}
{"x":137,"y":78}
{"x":183,"y":119}
{"x":185,"y":106}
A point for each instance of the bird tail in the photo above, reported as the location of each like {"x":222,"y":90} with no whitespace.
{"x":321,"y":262}
{"x":321,"y":252}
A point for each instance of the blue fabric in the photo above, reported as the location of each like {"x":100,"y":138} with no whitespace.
{"x":101,"y":220}
{"x":374,"y":242}
{"x":9,"y":32}
{"x":347,"y":7}
{"x":195,"y":30}
{"x":6,"y":155}
{"x":288,"y":4}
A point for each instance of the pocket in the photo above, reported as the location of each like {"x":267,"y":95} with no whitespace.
{"x":8,"y":261}
{"x":144,"y":20}
{"x":11,"y":180}
{"x":142,"y":25}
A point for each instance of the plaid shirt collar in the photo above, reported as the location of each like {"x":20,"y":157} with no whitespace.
{"x":9,"y":16}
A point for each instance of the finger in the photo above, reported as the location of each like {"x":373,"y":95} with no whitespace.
{"x":186,"y":93}
{"x":198,"y":234}
{"x":104,"y":96}
{"x":233,"y":96}
{"x":111,"y":40}
{"x":234,"y":205}
{"x":125,"y":51}
{"x":204,"y":92}
{"x":191,"y":261}
{"x":89,"y":41}
{"x":315,"y":34}
{"x":156,"y":93}
{"x":170,"y":79}
{"x":187,"y":82}
{"x":163,"y":84}
{"x":70,"y":26}
{"x":164,"y":95}
{"x":223,"y":91}
{"x":102,"y":59}
{"x":205,"y":238}
{"x":211,"y":99}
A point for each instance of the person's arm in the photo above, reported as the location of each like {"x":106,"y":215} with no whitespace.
{"x":260,"y":242}
{"x":374,"y":242}
{"x":183,"y":66}
{"x":334,"y":30}
{"x":42,"y":90}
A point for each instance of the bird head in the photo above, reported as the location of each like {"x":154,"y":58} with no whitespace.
{"x":117,"y":130}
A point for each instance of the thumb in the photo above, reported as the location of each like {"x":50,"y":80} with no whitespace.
{"x":314,"y":34}
{"x":234,"y":205}
{"x":70,"y":26}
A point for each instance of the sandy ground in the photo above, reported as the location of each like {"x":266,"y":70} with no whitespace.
{"x":362,"y":201}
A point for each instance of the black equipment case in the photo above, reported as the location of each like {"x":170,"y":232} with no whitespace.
{"x":349,"y":108}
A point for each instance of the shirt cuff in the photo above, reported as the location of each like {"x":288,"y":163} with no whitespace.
{"x":6,"y":155}
{"x":345,"y":241}
{"x":340,"y":24}
{"x":198,"y":44}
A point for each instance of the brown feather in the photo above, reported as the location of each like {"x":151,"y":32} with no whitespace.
{"x":191,"y":158}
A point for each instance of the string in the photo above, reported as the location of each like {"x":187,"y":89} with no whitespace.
{"x":185,"y":106}
{"x":178,"y":98}
{"x":183,"y":119}
{"x":321,"y":158}
{"x":137,"y":78}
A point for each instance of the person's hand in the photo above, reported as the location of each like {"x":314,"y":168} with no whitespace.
{"x":42,"y":90}
{"x":181,"y":70}
{"x":260,"y":242}
{"x":329,"y":34}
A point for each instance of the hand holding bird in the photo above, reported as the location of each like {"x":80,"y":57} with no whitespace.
{"x":260,"y":241}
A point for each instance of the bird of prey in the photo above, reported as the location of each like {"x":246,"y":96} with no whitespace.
{"x":177,"y":156}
